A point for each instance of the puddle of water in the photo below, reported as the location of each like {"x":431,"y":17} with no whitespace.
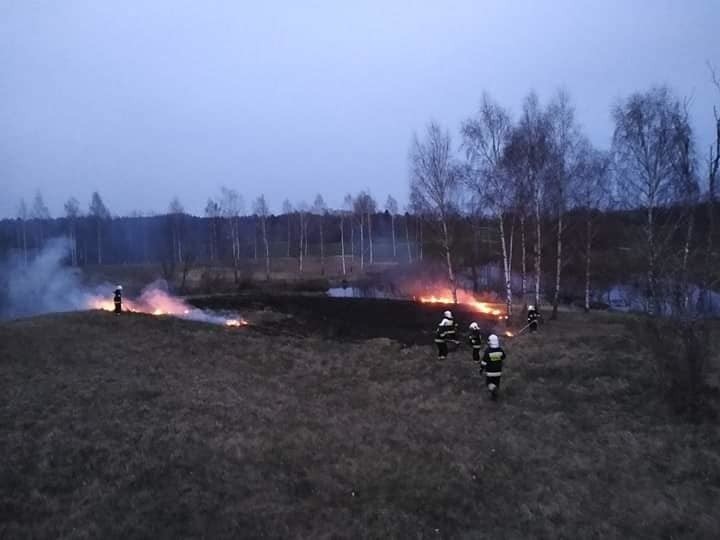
{"x":357,"y":292}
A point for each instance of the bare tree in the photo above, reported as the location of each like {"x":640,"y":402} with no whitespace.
{"x":528,"y":156}
{"x":232,"y":204}
{"x":287,"y":210}
{"x":713,"y":171}
{"x":370,"y":208}
{"x":346,"y":215}
{"x":302,"y":210}
{"x":365,"y":206}
{"x":484,"y":139}
{"x":645,"y":151}
{"x":22,"y":214}
{"x":262,"y":211}
{"x":359,"y":207}
{"x":72,"y":212}
{"x":391,"y":206}
{"x":342,"y":213}
{"x":176,"y":214}
{"x":99,"y":212}
{"x":39,"y":214}
{"x":591,"y":194}
{"x":687,"y":190}
{"x":407,"y":235}
{"x":435,"y":186}
{"x":568,"y":150}
{"x":320,"y":209}
{"x":213,"y":213}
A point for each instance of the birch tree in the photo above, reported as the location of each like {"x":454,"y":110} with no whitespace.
{"x":39,"y":214}
{"x":262,"y":212}
{"x":568,"y":149}
{"x":710,"y":274}
{"x":348,"y":206}
{"x":72,"y":212}
{"x":359,"y":209}
{"x":435,"y":187}
{"x":100,"y":214}
{"x":591,"y":193}
{"x":320,"y":210}
{"x":22,"y":214}
{"x":176,"y":217}
{"x":645,"y":153}
{"x":302,"y":210}
{"x":288,"y":210}
{"x":407,"y":235}
{"x":231,"y":204}
{"x":213,"y":212}
{"x":485,"y":138}
{"x":391,"y":206}
{"x":528,"y":155}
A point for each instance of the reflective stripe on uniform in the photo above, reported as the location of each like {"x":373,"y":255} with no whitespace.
{"x":493,"y":373}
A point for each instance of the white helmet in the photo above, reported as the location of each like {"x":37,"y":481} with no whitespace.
{"x":531,"y":308}
{"x":493,"y":341}
{"x":474,"y":326}
{"x":118,"y":288}
{"x":447,"y":315}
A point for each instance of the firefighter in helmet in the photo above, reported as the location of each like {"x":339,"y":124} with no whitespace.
{"x":445,"y":332}
{"x":476,"y":341}
{"x":117,"y":299}
{"x":492,"y":365}
{"x":533,"y":318}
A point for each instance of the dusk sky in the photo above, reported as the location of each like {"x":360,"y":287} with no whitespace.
{"x":146,"y":100}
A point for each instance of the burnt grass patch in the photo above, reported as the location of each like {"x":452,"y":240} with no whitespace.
{"x":135,"y":426}
{"x":352,"y":319}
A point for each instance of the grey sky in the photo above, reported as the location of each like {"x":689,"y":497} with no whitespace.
{"x":144,"y":100}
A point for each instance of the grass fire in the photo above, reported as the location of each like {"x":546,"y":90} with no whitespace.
{"x":157,"y":302}
{"x":284,"y":270}
{"x":445,"y":296}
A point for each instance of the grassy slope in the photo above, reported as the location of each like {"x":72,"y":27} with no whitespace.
{"x":138,"y":426}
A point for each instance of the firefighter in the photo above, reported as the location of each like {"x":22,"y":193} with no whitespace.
{"x":445,"y":332}
{"x":476,"y":341}
{"x":533,"y":318}
{"x":117,"y":299}
{"x":492,"y":365}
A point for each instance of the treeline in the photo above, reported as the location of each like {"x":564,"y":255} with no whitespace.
{"x":529,"y":195}
{"x":225,"y":235}
{"x":539,"y":180}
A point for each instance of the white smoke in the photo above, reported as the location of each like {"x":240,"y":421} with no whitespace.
{"x":44,"y":285}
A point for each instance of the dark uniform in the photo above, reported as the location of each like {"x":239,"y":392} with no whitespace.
{"x":117,"y":299}
{"x":492,"y":365}
{"x":451,"y":335}
{"x":445,"y":332}
{"x":476,"y":342}
{"x":533,"y":319}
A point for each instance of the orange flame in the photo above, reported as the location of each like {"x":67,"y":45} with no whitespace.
{"x":465,"y":298}
{"x":509,"y":334}
{"x":157,"y":302}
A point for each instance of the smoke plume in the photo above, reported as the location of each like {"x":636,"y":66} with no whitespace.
{"x":44,"y":285}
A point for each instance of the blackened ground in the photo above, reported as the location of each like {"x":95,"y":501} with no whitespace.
{"x":408,"y":322}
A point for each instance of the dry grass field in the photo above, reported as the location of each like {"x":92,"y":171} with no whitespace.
{"x":135,"y":426}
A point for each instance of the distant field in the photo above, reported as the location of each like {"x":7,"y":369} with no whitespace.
{"x":137,"y":426}
{"x":250,"y":274}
